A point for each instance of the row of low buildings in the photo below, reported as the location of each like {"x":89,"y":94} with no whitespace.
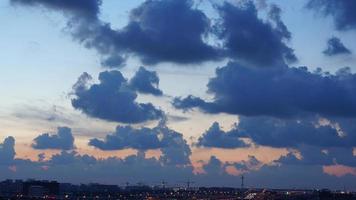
{"x":29,"y":189}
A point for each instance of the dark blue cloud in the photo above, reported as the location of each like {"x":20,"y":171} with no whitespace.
{"x":342,"y":11}
{"x":167,"y":31}
{"x":7,"y":150}
{"x":111,"y":99}
{"x":63,"y":140}
{"x":146,"y":82}
{"x":311,"y":155}
{"x":215,"y":137}
{"x":288,"y":133}
{"x":214,"y":166}
{"x":248,"y":164}
{"x":335,"y":47}
{"x":80,"y":8}
{"x":251,"y":40}
{"x":173,"y":146}
{"x":294,"y":132}
{"x":275,"y":15}
{"x":157,"y":31}
{"x":174,"y":31}
{"x":67,"y":158}
{"x":128,"y":137}
{"x":113,"y":61}
{"x":279,"y":92}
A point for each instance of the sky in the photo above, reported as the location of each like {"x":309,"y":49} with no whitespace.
{"x":143,"y":91}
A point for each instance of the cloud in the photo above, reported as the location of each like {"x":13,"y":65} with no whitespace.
{"x":63,"y":140}
{"x":335,"y":47}
{"x":67,"y":158}
{"x":312,"y":131}
{"x":215,"y":137}
{"x":214,"y":166}
{"x":80,"y":8}
{"x":283,"y":133}
{"x":342,"y":11}
{"x":127,"y":137}
{"x":174,"y":31}
{"x":295,"y":176}
{"x":146,"y":82}
{"x":7,"y":150}
{"x":275,"y":15}
{"x":251,"y":40}
{"x":280,"y":92}
{"x":247,"y":165}
{"x":270,"y":175}
{"x":174,"y":148}
{"x":157,"y":31}
{"x":311,"y":155}
{"x":76,"y":168}
{"x":82,"y":168}
{"x":111,"y":99}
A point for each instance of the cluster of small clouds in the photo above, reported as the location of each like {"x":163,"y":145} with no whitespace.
{"x":311,"y":112}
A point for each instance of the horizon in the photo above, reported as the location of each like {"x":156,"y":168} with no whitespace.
{"x":180,"y":185}
{"x":125,"y":91}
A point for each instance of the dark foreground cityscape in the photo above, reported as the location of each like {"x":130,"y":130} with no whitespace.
{"x":35,"y":189}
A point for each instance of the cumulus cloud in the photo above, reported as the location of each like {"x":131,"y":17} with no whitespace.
{"x":294,"y":132}
{"x":79,"y":8}
{"x":312,"y":155}
{"x":287,"y":133}
{"x":342,"y":11}
{"x":157,"y":31}
{"x":146,"y":82}
{"x":247,"y":165}
{"x":174,"y":31}
{"x":215,"y":137}
{"x":63,"y":140}
{"x":335,"y":47}
{"x":111,"y":99}
{"x":128,"y":137}
{"x":214,"y":166}
{"x":173,"y":146}
{"x":279,"y":92}
{"x":7,"y":150}
{"x":250,"y":39}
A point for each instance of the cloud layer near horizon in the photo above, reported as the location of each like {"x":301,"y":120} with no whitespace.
{"x":70,"y":166}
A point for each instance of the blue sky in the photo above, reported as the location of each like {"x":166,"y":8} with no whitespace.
{"x":41,"y":61}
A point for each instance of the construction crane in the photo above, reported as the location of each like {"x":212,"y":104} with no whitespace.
{"x":163,"y":183}
{"x":189,"y":183}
